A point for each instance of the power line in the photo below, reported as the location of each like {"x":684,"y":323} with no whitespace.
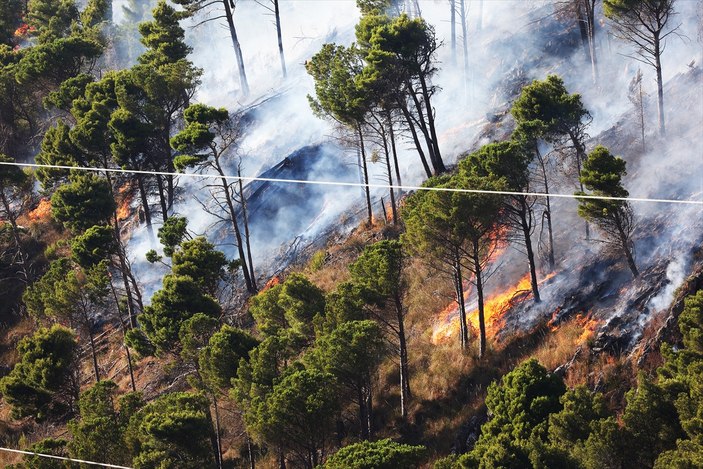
{"x":353,"y":184}
{"x":51,"y":456}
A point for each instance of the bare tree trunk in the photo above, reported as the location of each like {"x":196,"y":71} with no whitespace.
{"x":229,"y":14}
{"x":237,"y":234}
{"x":162,"y":197}
{"x":124,"y":334}
{"x":277,"y":13}
{"x":464,"y":40}
{"x":625,"y":244}
{"x":364,"y":166}
{"x":145,"y":203}
{"x":580,"y":157}
{"x":641,"y":106}
{"x":440,"y":168}
{"x":363,"y":418}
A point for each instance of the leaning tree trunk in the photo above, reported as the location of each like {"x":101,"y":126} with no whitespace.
{"x":394,"y":211}
{"x":580,"y":158}
{"x":15,"y":235}
{"x":124,"y":335}
{"x":91,"y":339}
{"x":229,"y":9}
{"x":548,"y":211}
{"x":440,"y":168}
{"x":625,"y":244}
{"x":245,"y":219}
{"x":391,"y":133}
{"x":237,"y":234}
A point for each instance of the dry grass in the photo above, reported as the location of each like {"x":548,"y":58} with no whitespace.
{"x":559,"y":346}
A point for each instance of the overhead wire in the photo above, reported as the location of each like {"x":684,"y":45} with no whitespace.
{"x":354,"y":184}
{"x":63,"y":458}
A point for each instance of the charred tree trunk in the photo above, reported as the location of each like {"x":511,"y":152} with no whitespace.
{"x":524,"y":213}
{"x":277,"y":14}
{"x":459,"y":288}
{"x":479,"y":292}
{"x":229,"y":14}
{"x":364,"y":166}
{"x":439,"y":168}
{"x":145,"y":203}
{"x":363,"y":417}
{"x":124,"y":334}
{"x":162,"y":197}
{"x":625,"y":244}
{"x":422,"y":123}
{"x":580,"y":158}
{"x":464,"y":40}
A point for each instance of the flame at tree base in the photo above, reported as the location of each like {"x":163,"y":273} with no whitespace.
{"x":495,"y":307}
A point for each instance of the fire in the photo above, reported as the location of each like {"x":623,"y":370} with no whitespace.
{"x":495,"y":307}
{"x":42,"y":212}
{"x":272,"y":283}
{"x":589,"y":325}
{"x":124,"y":208}
{"x":24,"y":29}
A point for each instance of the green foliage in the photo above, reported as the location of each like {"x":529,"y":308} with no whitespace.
{"x":198,"y":259}
{"x":580,"y":410}
{"x":139,"y":342}
{"x":194,"y":334}
{"x":179,"y":299}
{"x":164,"y":37}
{"x":298,"y":415}
{"x":69,"y":90}
{"x":317,"y":261}
{"x":11,"y":12}
{"x":172,"y":431}
{"x":520,"y":407}
{"x":379,"y":270}
{"x":43,"y":377}
{"x":382,"y":454}
{"x":51,"y":18}
{"x":547,"y":109}
{"x":95,"y":245}
{"x":83,"y":203}
{"x":345,"y":303}
{"x":506,"y":162}
{"x":98,"y":435}
{"x":172,"y":233}
{"x":220,"y":359}
{"x":52,"y":446}
{"x":290,"y":307}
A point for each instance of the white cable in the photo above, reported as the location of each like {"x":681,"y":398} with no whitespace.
{"x":351,"y":184}
{"x":31,"y":453}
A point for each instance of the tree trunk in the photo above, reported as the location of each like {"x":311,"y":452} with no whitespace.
{"x":277,"y":13}
{"x":660,"y":84}
{"x":229,"y":10}
{"x":416,"y":140}
{"x":524,"y":208}
{"x":124,"y":334}
{"x":641,"y":103}
{"x":252,"y":463}
{"x":590,"y":6}
{"x":93,"y":352}
{"x":479,"y":292}
{"x":459,"y":287}
{"x":162,"y":197}
{"x":452,"y":20}
{"x":439,"y":168}
{"x":403,"y":356}
{"x":624,"y":242}
{"x":363,"y":417}
{"x":580,"y":157}
{"x":367,"y":189}
{"x":237,"y":233}
{"x":464,"y":40}
{"x":423,"y":128}
{"x":391,"y":132}
{"x":15,"y":234}
{"x":218,"y":439}
{"x":390,"y":180}
{"x":145,"y":203}
{"x":548,"y":212}
{"x":245,"y":218}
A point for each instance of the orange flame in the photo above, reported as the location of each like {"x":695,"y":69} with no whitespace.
{"x":124,"y":208}
{"x":272,"y":283}
{"x":494,"y":309}
{"x":42,"y":212}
